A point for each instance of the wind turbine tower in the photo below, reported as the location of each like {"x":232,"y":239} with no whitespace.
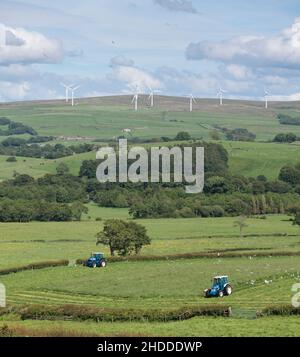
{"x":72,"y":91}
{"x":135,"y":101}
{"x":67,"y":88}
{"x":192,"y":101}
{"x":220,"y":94}
{"x":266,"y":98}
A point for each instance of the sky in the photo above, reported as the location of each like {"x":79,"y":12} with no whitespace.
{"x":177,"y":47}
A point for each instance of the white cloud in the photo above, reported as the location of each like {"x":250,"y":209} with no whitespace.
{"x":177,"y":5}
{"x":239,"y":72}
{"x":27,"y":47}
{"x":292,"y":97}
{"x":282,"y":50}
{"x":122,"y":60}
{"x":136,"y":77}
{"x":13,"y":91}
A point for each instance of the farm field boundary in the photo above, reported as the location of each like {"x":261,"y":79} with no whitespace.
{"x":34,"y":266}
{"x":85,"y":312}
{"x":196,"y":255}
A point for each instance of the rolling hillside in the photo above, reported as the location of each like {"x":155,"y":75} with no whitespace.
{"x":105,"y":117}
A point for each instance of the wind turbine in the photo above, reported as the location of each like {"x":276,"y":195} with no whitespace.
{"x":266,"y":97}
{"x":72,"y":91}
{"x":220,"y":94}
{"x":192,"y":100}
{"x":151,"y":96}
{"x":135,"y":99}
{"x":67,"y":87}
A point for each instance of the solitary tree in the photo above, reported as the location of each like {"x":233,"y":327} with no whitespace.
{"x":241,"y":223}
{"x":123,"y":237}
{"x":62,"y":169}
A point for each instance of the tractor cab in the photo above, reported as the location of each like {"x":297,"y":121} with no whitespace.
{"x":220,"y":281}
{"x":96,"y":260}
{"x":220,"y":287}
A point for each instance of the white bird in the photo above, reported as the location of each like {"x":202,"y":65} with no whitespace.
{"x":220,"y":94}
{"x":72,"y":91}
{"x":67,"y":88}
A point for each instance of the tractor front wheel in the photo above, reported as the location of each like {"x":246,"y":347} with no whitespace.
{"x":207,"y":293}
{"x":221,"y":294}
{"x":94,"y":265}
{"x":228,"y":290}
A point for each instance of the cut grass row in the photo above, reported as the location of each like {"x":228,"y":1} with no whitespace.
{"x":148,"y":281}
{"x":245,"y":301}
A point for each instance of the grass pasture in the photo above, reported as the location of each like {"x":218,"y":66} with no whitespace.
{"x":38,"y":241}
{"x":198,"y":326}
{"x":106,"y":117}
{"x":161,"y":284}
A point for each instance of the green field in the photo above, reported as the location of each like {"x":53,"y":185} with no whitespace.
{"x":247,"y":159}
{"x":36,"y":241}
{"x":106,"y":117}
{"x":157,"y":283}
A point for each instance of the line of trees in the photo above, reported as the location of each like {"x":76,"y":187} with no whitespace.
{"x":224,"y":194}
{"x":15,"y":128}
{"x":34,"y":210}
{"x":28,"y":148}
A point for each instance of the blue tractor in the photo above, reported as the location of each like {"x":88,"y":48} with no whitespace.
{"x":96,"y":260}
{"x":220,"y":287}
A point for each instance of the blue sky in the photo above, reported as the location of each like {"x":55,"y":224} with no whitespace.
{"x":177,"y":46}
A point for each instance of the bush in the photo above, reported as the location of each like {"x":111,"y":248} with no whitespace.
{"x":11,"y":159}
{"x":285,"y":138}
{"x":183,"y":136}
{"x":288,"y":120}
{"x":282,"y":310}
{"x":5,"y":331}
{"x":240,"y":135}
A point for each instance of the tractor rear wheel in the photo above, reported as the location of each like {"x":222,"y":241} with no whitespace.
{"x":103,"y":264}
{"x":221,"y":294}
{"x":228,"y":290}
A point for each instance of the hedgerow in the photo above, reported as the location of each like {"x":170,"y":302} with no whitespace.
{"x":196,"y":255}
{"x":86,"y":312}
{"x":33,"y":266}
{"x":281,"y":310}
